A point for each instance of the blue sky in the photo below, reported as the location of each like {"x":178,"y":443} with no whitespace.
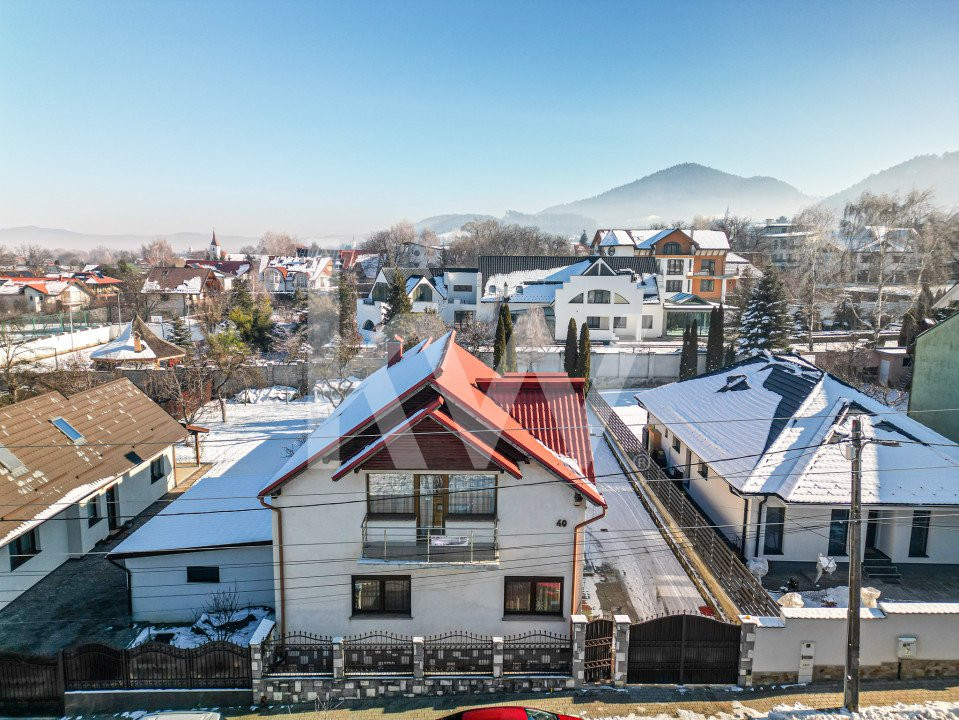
{"x":329,"y":118}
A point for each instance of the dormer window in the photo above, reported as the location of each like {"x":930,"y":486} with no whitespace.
{"x":74,"y":435}
{"x":672,"y":248}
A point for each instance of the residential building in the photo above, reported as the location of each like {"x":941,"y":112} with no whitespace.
{"x":42,"y":294}
{"x":136,"y":346}
{"x":228,"y":271}
{"x":304,"y":273}
{"x":760,"y":446}
{"x":72,"y":471}
{"x":786,"y":242}
{"x":437,"y":466}
{"x":687,"y":262}
{"x":181,"y":290}
{"x":890,"y":252}
{"x":934,"y":393}
{"x":617,"y":297}
{"x":450,"y":292}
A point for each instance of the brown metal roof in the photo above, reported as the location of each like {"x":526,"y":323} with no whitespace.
{"x":121,"y":428}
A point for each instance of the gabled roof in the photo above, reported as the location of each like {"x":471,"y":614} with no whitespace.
{"x":765,"y":426}
{"x":177,"y":281}
{"x":121,"y":427}
{"x":456,"y":376}
{"x":123,"y":349}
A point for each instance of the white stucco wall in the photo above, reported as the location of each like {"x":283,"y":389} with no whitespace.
{"x":622,"y":285}
{"x":54,"y":551}
{"x":323,"y":550}
{"x":935,"y":627}
{"x":160,"y":592}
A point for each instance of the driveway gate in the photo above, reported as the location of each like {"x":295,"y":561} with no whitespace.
{"x":683,"y":649}
{"x":599,"y":650}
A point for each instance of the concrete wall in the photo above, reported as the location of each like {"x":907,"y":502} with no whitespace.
{"x":323,"y":549}
{"x":160,"y":592}
{"x":49,"y":347}
{"x":621,"y":285}
{"x":935,"y":379}
{"x":778,"y":642}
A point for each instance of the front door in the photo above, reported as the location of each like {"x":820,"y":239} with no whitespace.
{"x":872,"y":529}
{"x":430,"y":506}
{"x":113,"y":508}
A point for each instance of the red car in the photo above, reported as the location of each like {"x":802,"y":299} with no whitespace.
{"x":507,"y":713}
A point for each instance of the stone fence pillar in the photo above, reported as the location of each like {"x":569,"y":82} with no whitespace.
{"x":339,"y":661}
{"x":620,"y":650}
{"x":419,"y":658}
{"x":747,"y":644}
{"x":578,"y":669}
{"x":498,"y":657}
{"x":261,"y":635}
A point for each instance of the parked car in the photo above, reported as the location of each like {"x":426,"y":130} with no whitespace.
{"x":507,"y":713}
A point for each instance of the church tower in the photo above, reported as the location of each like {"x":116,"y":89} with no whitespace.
{"x":214,"y":252}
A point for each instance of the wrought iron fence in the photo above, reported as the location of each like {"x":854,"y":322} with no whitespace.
{"x":29,"y":683}
{"x":458,"y":653}
{"x":598,"y":662}
{"x":378,"y":653}
{"x":708,"y":542}
{"x":537,"y":653}
{"x":157,"y":665}
{"x":299,"y":653}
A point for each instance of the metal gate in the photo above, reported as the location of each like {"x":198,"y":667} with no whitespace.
{"x":599,"y":650}
{"x":30,"y":685}
{"x":683,"y":649}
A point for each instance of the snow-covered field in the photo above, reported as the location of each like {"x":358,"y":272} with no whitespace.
{"x":926,"y":711}
{"x":237,"y":629}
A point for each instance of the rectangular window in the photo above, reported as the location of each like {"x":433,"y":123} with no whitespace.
{"x":674,"y":286}
{"x":202,"y":574}
{"x":773,"y":537}
{"x":619,"y":322}
{"x":157,"y":469}
{"x":93,"y":511}
{"x":463,"y":288}
{"x":647,"y":322}
{"x":599,"y":297}
{"x":675,"y":267}
{"x":708,"y":267}
{"x":703,"y":470}
{"x":592,"y":322}
{"x":390,"y":494}
{"x":472,"y":495}
{"x":919,"y":537}
{"x":381,"y":595}
{"x":533,"y":596}
{"x":838,"y":533}
{"x":24,"y":548}
{"x":67,"y":429}
{"x":675,"y":443}
{"x":707,"y":285}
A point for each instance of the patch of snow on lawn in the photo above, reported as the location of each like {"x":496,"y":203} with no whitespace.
{"x":276,"y":393}
{"x":900,"y":711}
{"x":238,"y":628}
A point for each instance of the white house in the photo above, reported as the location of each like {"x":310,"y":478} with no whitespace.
{"x":72,"y":471}
{"x":289,"y":274}
{"x":450,"y":292}
{"x":424,"y":504}
{"x":760,"y":448}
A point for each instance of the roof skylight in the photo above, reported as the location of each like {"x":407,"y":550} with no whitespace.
{"x":11,"y":462}
{"x":75,"y":436}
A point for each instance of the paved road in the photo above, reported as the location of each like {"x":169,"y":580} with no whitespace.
{"x":629,"y":541}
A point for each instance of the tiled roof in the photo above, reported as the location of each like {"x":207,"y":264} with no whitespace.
{"x":117,"y":421}
{"x":177,"y":281}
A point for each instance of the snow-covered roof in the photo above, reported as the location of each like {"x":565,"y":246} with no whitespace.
{"x":123,"y":347}
{"x":765,"y":426}
{"x":176,"y":281}
{"x":711,"y":239}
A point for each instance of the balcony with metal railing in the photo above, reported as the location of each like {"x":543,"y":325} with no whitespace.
{"x":466,"y":540}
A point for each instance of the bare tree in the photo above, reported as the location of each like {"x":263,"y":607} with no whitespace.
{"x":17,"y":371}
{"x":158,"y":253}
{"x":490,"y":237}
{"x":818,"y":282}
{"x":7,"y":258}
{"x":389,"y":243}
{"x":229,"y":357}
{"x":475,"y":335}
{"x":224,"y":616}
{"x":277,"y":243}
{"x":35,"y":257}
{"x":532,"y":336}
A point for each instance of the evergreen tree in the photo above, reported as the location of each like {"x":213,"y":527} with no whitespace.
{"x":255,"y":326}
{"x":765,"y":323}
{"x":689,"y":357}
{"x":909,"y":329}
{"x":180,"y":333}
{"x":729,"y":357}
{"x":397,"y":300}
{"x":346,"y":297}
{"x":509,"y":351}
{"x":499,"y":344}
{"x":571,"y":354}
{"x":582,"y":360}
{"x":240,"y":297}
{"x":715,"y":339}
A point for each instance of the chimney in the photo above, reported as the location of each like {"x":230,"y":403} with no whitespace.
{"x":137,"y":343}
{"x":394,"y":350}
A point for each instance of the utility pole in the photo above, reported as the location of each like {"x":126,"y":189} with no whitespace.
{"x":851,"y":679}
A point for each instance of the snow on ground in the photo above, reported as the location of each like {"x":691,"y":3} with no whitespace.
{"x":631,"y":543}
{"x":275,"y":393}
{"x":900,"y":711}
{"x":238,"y":627}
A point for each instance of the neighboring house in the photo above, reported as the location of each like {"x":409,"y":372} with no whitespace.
{"x":43,"y":295}
{"x":450,"y":292}
{"x":289,"y":274}
{"x":136,"y":346}
{"x":787,"y":242}
{"x":758,"y":447}
{"x":738,"y":266}
{"x":693,"y":262}
{"x":612,"y":295}
{"x":228,"y":271}
{"x":181,"y":291}
{"x":434,"y":466}
{"x":949,"y":299}
{"x":72,"y":471}
{"x":934,"y":394}
{"x":420,"y":255}
{"x":890,"y":250}
{"x":215,"y":538}
{"x":99,"y":285}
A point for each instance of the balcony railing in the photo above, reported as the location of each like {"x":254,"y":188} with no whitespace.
{"x":460,"y":541}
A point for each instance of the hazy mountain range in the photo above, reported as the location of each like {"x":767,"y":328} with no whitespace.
{"x":676,"y":193}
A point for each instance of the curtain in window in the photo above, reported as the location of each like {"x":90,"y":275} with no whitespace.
{"x":472,"y":494}
{"x":391,"y":493}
